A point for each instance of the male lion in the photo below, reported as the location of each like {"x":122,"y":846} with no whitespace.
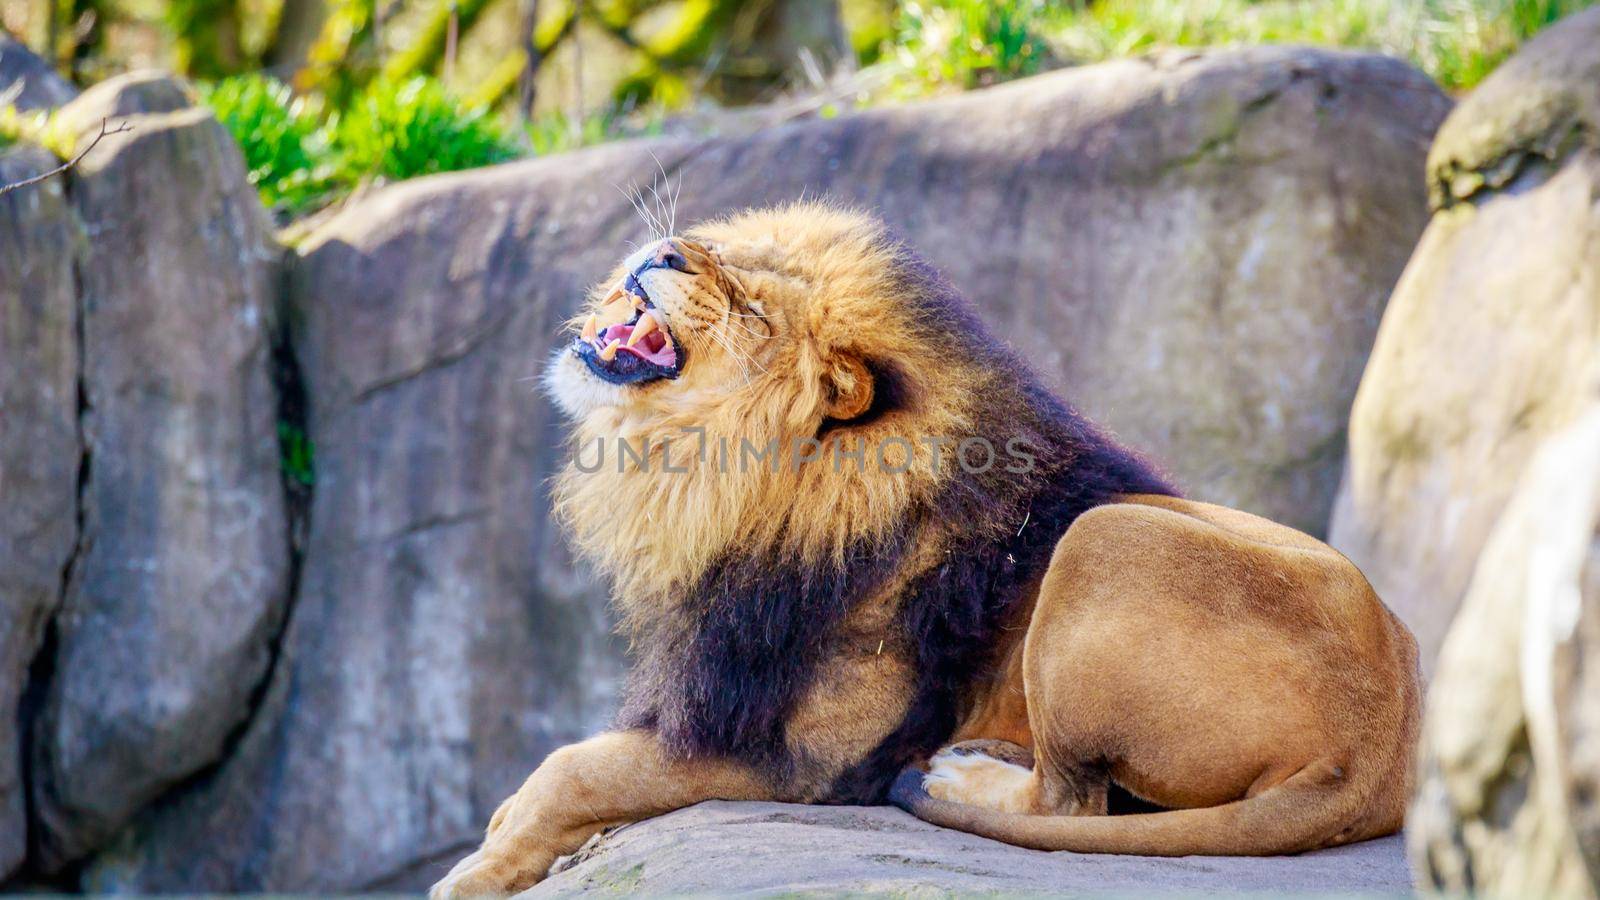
{"x":824,"y":586}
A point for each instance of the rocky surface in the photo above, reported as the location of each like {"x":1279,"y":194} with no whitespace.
{"x":170,"y":609}
{"x":1492,"y":339}
{"x":26,"y":81}
{"x":1509,"y":802}
{"x":1195,"y":248}
{"x":766,"y":849}
{"x":39,"y":445}
{"x":122,"y":96}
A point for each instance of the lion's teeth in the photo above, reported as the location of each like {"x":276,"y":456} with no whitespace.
{"x":638,"y":301}
{"x":610,"y":352}
{"x":591,"y":329}
{"x":645,"y":325}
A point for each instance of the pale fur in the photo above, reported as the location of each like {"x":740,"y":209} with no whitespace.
{"x":981,"y":780}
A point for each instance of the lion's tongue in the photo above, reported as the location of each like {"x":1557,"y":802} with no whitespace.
{"x":654,"y":347}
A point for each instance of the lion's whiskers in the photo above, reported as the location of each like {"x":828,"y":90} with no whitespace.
{"x":635,"y":199}
{"x":728,"y":342}
{"x":670,"y":213}
{"x":738,"y":356}
{"x":738,"y":360}
{"x":750,"y":331}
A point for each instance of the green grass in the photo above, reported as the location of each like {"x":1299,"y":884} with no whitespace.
{"x":285,"y":147}
{"x":302,"y":157}
{"x":968,"y":43}
{"x":396,"y":131}
{"x":942,"y":44}
{"x":1457,"y":42}
{"x":296,"y":456}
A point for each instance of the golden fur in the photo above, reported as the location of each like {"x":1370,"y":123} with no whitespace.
{"x":780,"y":367}
{"x":1197,"y":657}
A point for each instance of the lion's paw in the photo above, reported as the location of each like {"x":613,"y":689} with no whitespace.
{"x":965,"y":773}
{"x":478,"y":876}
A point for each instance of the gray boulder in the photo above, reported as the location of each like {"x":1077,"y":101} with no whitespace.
{"x":40,"y":451}
{"x":1509,"y":800}
{"x":775,"y":849}
{"x":1196,"y":249}
{"x":1492,"y":338}
{"x":173,"y":604}
{"x":120,"y":96}
{"x":26,"y":81}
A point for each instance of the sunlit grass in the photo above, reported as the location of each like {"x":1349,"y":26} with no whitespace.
{"x":303,"y":155}
{"x":968,"y":43}
{"x":1457,"y":42}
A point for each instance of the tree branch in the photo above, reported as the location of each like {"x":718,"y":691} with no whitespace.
{"x":71,"y":163}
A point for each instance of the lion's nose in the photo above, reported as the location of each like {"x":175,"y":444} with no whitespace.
{"x":667,"y":255}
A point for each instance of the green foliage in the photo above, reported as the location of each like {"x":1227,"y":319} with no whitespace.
{"x":39,"y":127}
{"x":342,"y":58}
{"x":970,"y":43}
{"x":285,"y":147}
{"x":10,"y":128}
{"x":296,"y":456}
{"x":415,"y":127}
{"x":1458,"y":42}
{"x":301,"y":158}
{"x":870,"y":25}
{"x":206,"y":37}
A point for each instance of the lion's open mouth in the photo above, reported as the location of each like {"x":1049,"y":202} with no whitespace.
{"x":640,"y":349}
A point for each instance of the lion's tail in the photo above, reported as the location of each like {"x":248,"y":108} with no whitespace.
{"x":1308,"y":810}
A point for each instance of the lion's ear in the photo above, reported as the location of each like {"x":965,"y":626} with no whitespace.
{"x":849,"y":389}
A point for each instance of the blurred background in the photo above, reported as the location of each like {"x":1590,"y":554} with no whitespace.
{"x":328,"y":95}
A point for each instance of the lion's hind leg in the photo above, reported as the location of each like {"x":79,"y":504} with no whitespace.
{"x":1001,"y":775}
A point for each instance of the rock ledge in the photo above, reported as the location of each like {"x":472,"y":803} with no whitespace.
{"x":778,"y":848}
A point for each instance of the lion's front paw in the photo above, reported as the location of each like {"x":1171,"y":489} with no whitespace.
{"x":481,"y":876}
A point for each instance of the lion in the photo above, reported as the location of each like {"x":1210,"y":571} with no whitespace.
{"x":863,"y":554}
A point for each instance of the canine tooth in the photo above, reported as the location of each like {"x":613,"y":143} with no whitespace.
{"x":591,"y":328}
{"x":645,"y":325}
{"x":610,"y":352}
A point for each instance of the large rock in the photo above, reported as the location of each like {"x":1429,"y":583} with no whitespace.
{"x":771,"y":849}
{"x":121,"y":96}
{"x":1509,"y":801}
{"x":1197,"y":249}
{"x":39,"y":446}
{"x":26,"y":81}
{"x":173,"y":604}
{"x":1493,"y":335}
